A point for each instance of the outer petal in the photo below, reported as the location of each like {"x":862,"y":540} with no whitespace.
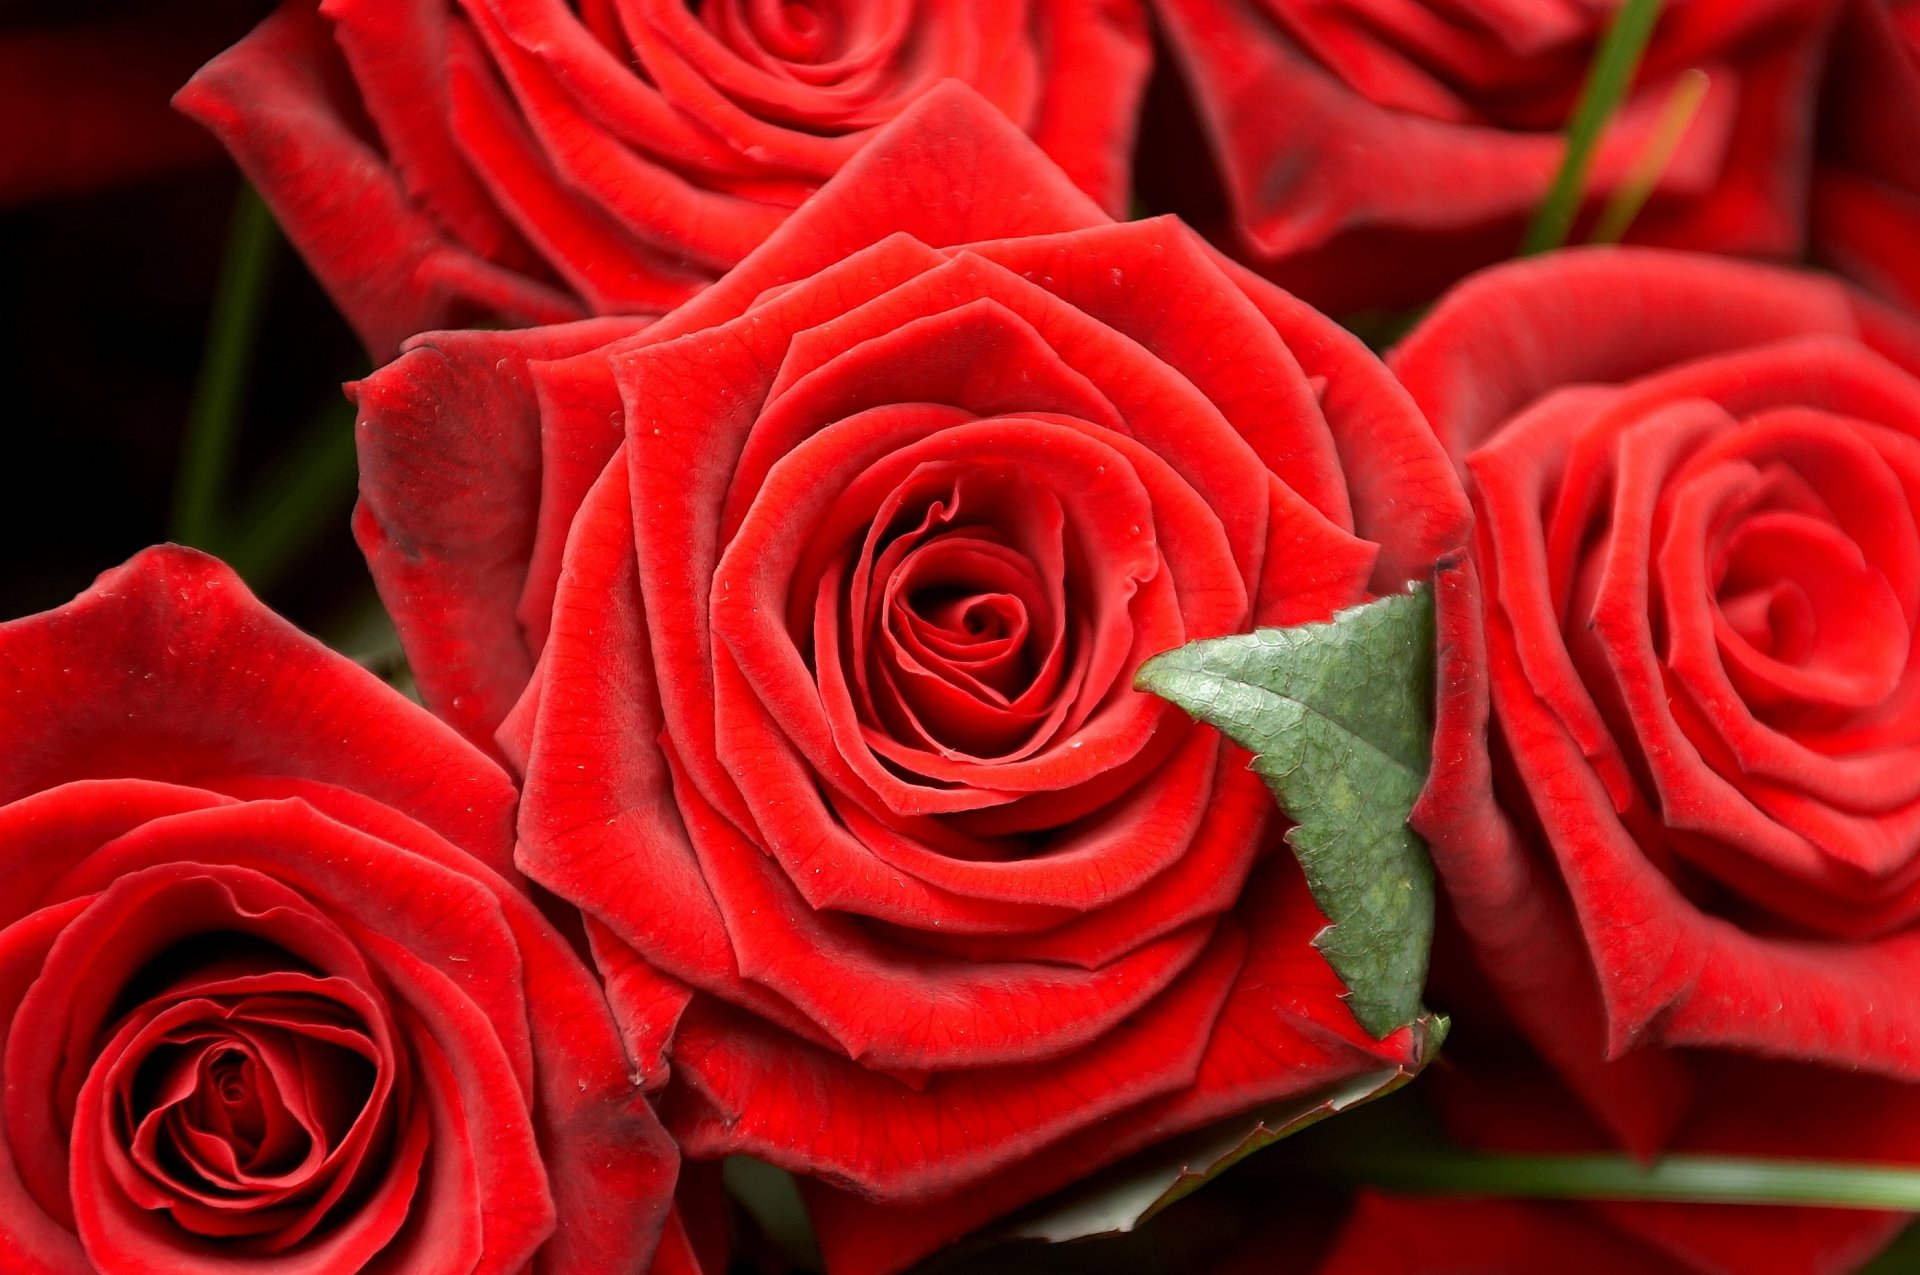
{"x":1371,"y":157}
{"x":516,"y":160}
{"x":275,"y":100}
{"x":1096,"y":59}
{"x":1534,"y":323}
{"x":1513,"y":905}
{"x":451,"y":438}
{"x":144,"y":663}
{"x":1282,"y":1034}
{"x":948,"y":171}
{"x":908,"y":1145}
{"x":601,"y":825}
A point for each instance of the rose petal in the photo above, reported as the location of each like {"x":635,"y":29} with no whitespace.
{"x":141,"y":663}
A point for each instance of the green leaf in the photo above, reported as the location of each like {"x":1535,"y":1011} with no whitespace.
{"x":1608,"y":80}
{"x":1339,"y":718}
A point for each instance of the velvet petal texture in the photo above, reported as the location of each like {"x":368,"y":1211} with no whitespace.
{"x":830,"y":729}
{"x":275,"y":999}
{"x":460,"y":539}
{"x":1371,"y":154}
{"x":441,"y":161}
{"x":1866,"y":194}
{"x":1695,"y":576}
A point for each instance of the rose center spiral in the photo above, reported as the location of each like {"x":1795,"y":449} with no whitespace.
{"x":964,"y":648}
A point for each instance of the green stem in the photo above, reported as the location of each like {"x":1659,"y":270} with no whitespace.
{"x":307,"y":487}
{"x":1691,"y":1178}
{"x":1607,"y":83}
{"x":1631,"y":195}
{"x":206,"y":451}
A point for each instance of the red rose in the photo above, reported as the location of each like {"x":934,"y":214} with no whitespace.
{"x":1372,"y":154}
{"x":1695,"y":482}
{"x":895,"y":880}
{"x":86,"y":100}
{"x":271,"y":1003}
{"x":533,"y":160}
{"x":1866,"y":194}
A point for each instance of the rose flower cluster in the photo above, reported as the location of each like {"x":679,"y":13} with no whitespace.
{"x":792,"y":427}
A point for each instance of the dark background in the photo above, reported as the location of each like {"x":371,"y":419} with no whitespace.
{"x":108,"y":297}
